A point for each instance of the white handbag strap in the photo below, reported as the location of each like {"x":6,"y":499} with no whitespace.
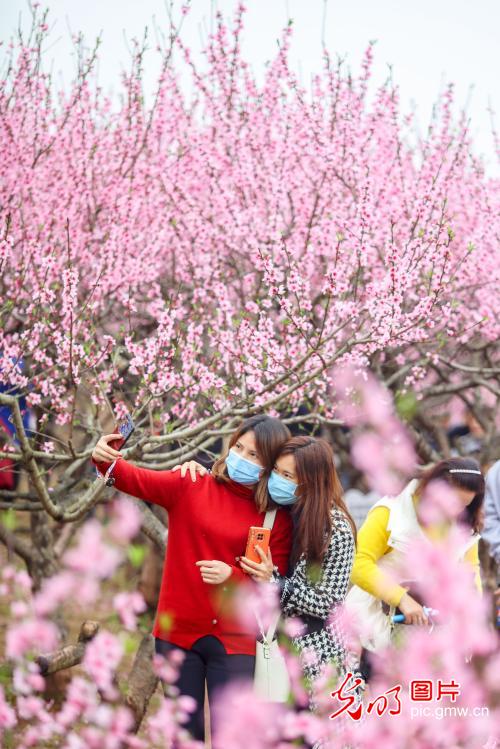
{"x":269,"y":635}
{"x":269,"y":519}
{"x":268,"y":523}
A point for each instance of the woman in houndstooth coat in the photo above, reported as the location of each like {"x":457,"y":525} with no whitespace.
{"x":304,"y":477}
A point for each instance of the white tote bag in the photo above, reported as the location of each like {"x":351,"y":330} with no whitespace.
{"x":271,"y":680}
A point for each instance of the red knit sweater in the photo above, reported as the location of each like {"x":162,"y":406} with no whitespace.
{"x":207,"y":519}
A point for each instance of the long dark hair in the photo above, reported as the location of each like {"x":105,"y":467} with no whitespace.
{"x":270,"y":434}
{"x":319,"y":489}
{"x":461,"y":479}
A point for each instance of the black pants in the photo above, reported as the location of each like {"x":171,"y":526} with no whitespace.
{"x":206,"y":661}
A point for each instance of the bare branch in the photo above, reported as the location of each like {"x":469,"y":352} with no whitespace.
{"x":153,"y":528}
{"x":142,"y":680}
{"x":71,"y":655}
{"x":14,"y":542}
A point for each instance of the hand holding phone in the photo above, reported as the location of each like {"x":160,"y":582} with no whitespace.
{"x":126,"y":429}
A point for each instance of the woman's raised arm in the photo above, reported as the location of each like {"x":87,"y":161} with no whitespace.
{"x":159,"y":487}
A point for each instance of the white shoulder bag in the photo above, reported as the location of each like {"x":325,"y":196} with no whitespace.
{"x":271,"y":680}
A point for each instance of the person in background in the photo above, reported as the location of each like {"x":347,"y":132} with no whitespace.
{"x":468,"y":438}
{"x":391,"y":525}
{"x":9,"y":473}
{"x":491,"y":530}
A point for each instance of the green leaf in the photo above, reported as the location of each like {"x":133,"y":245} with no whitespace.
{"x":129,"y":644}
{"x":8,"y":740}
{"x":314,"y":573}
{"x":9,"y":520}
{"x":6,"y":674}
{"x":136,"y":554}
{"x":406,"y":405}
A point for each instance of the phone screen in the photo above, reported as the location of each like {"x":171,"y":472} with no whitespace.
{"x":126,"y":428}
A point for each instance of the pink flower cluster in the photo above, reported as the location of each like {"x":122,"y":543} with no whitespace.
{"x":102,"y":657}
{"x":128,"y":605}
{"x":380,"y":446}
{"x":253,"y":235}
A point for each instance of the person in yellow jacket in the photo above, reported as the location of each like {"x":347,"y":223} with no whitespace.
{"x":391,"y":525}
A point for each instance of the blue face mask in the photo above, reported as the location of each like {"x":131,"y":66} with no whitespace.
{"x":241,"y":470}
{"x":282,"y":490}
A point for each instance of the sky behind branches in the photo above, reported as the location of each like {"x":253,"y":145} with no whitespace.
{"x":427,"y":43}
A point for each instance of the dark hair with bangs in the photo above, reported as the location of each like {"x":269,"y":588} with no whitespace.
{"x":461,"y":479}
{"x":270,"y":434}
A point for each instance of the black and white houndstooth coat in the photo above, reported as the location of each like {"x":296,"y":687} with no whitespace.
{"x":300,"y":596}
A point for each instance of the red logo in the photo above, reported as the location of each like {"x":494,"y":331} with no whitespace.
{"x":380,"y":704}
{"x":421,"y":691}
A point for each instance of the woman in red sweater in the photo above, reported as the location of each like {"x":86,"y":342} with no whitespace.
{"x":208,"y":524}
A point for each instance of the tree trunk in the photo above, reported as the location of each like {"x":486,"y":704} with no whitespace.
{"x":142,"y":680}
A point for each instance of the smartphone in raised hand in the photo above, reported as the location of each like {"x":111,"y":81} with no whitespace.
{"x":125,"y":428}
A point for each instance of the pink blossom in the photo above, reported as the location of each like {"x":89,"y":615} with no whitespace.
{"x":23,"y":580}
{"x":31,"y":636}
{"x":18,"y":609}
{"x":7,"y":715}
{"x":27,"y":678}
{"x":91,"y":555}
{"x":128,"y":605}
{"x":8,"y":572}
{"x":296,"y":725}
{"x":238,"y":708}
{"x":55,"y":590}
{"x":30,"y":707}
{"x":167,"y":667}
{"x":102,"y":656}
{"x":164,"y":725}
{"x":81,"y":700}
{"x":126,"y":520}
{"x":278,"y":273}
{"x":262,"y":601}
{"x":293,"y":626}
{"x":381,"y":449}
{"x":88,"y":591}
{"x":439,"y":503}
{"x":296,"y":674}
{"x":73,"y":741}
